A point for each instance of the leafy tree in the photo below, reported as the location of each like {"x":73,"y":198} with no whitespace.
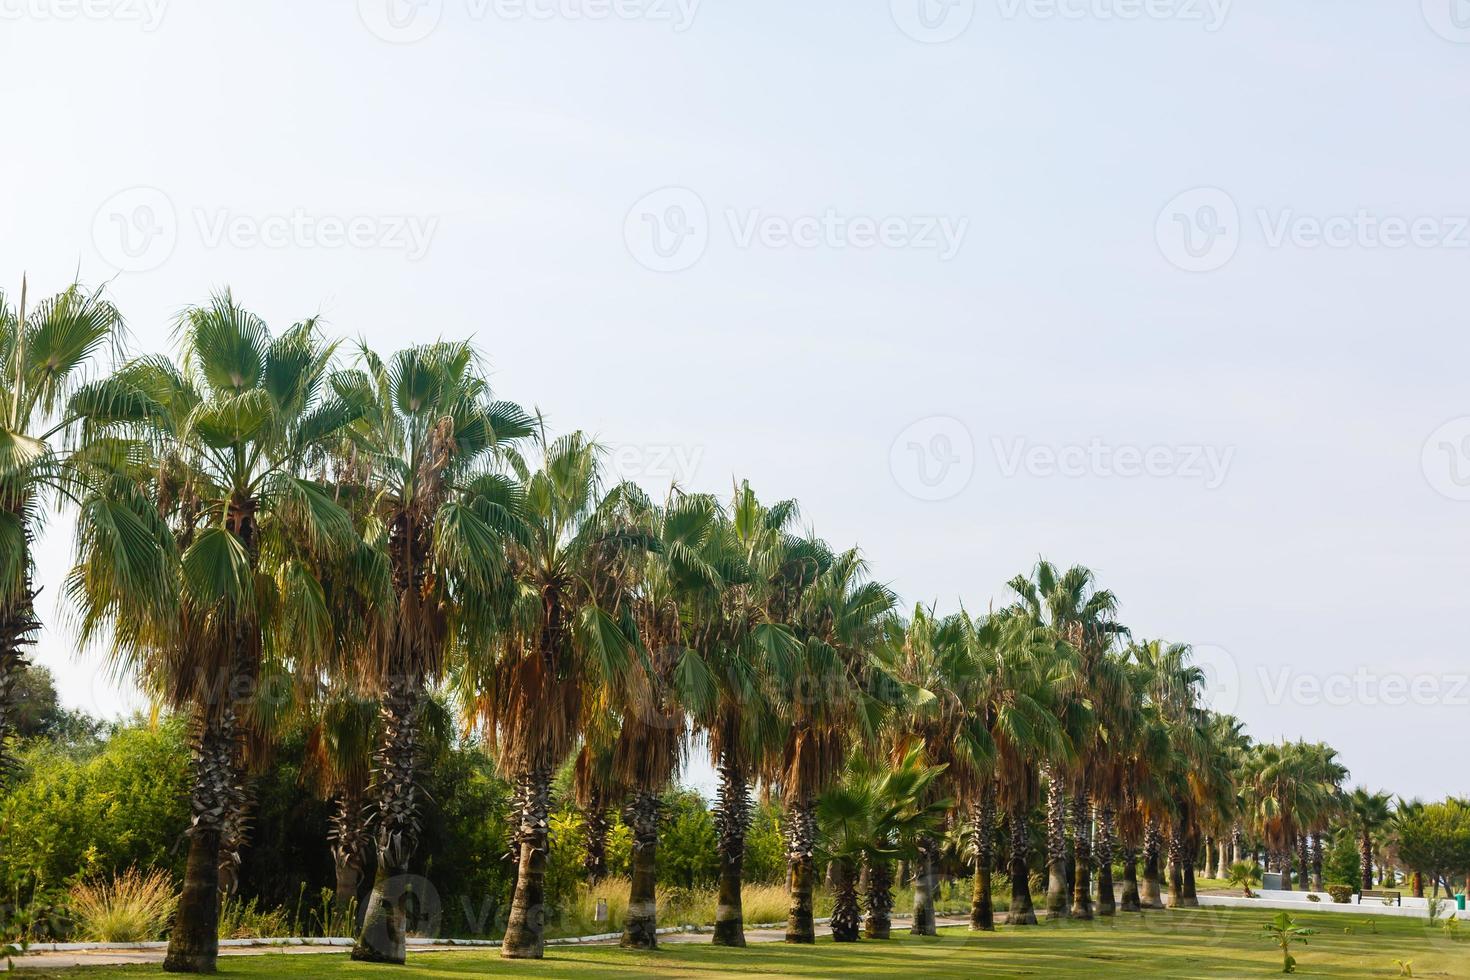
{"x":1437,"y":840}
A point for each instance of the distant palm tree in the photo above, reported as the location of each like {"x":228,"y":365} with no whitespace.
{"x":1368,"y":813}
{"x":44,"y":354}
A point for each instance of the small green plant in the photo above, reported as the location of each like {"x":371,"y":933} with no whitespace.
{"x":1284,"y":931}
{"x":131,"y":908}
{"x":1341,"y":894}
{"x":1406,"y":967}
{"x":1242,"y":875}
{"x":1451,"y":926}
{"x":1313,"y":898}
{"x":247,"y":920}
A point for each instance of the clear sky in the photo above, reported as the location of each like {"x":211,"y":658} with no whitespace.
{"x":1171,"y":288}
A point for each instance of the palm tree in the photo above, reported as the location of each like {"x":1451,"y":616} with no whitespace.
{"x":1369,"y":814}
{"x":873,"y":815}
{"x":569,"y":631}
{"x":44,"y":354}
{"x":828,"y":700}
{"x":1083,"y":616}
{"x":197,"y":605}
{"x":339,"y":750}
{"x":418,"y":462}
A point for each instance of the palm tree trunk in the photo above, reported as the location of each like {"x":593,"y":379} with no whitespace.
{"x":384,"y":934}
{"x":1082,"y":848}
{"x":846,"y":915}
{"x":1021,"y":912}
{"x":1130,"y":901}
{"x":1056,"y":848}
{"x":1190,"y":898}
{"x":1107,"y":902}
{"x":1176,"y":869}
{"x":525,"y":928}
{"x":1304,"y":862}
{"x":349,"y":847}
{"x":732,"y":819}
{"x":1153,"y":890}
{"x":18,"y":629}
{"x":193,"y":943}
{"x":924,"y":880}
{"x":1316,"y":862}
{"x":640,"y":923}
{"x":596,"y":826}
{"x":801,"y":876}
{"x":879,"y":923}
{"x":1365,"y":859}
{"x":982,"y":907}
{"x":1286,"y":863}
{"x":234,"y":830}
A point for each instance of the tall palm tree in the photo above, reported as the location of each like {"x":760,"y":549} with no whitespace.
{"x":198,"y":542}
{"x":829,"y":700}
{"x":418,"y":459}
{"x":1085,"y":617}
{"x":339,"y":747}
{"x":1369,"y":814}
{"x":44,"y":355}
{"x":570,"y":629}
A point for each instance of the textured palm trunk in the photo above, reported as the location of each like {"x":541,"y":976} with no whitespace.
{"x":1082,"y":836}
{"x":1316,"y":862}
{"x":732,"y":820}
{"x":879,"y":894}
{"x":1153,"y":897}
{"x":923,"y":923}
{"x":1021,"y":912}
{"x":846,"y":914}
{"x":1176,"y":870}
{"x":1365,"y":861}
{"x":234,"y":829}
{"x":1190,"y":897}
{"x":596,"y":825}
{"x":1107,"y":903}
{"x":640,"y":922}
{"x":525,"y":928}
{"x":18,"y":629}
{"x":801,"y":872}
{"x":193,"y":943}
{"x":1304,"y":862}
{"x":350,"y":841}
{"x":1056,"y":849}
{"x":982,"y":906}
{"x":1237,"y":844}
{"x":384,"y":934}
{"x":1285,"y":863}
{"x":1130,"y":902}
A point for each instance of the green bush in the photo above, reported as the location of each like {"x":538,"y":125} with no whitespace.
{"x":1341,"y":894}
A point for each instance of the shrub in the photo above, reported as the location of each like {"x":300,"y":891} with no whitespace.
{"x":239,"y":919}
{"x":130,"y":908}
{"x":1341,"y":894}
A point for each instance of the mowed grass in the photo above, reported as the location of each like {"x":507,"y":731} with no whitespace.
{"x":1210,"y":943}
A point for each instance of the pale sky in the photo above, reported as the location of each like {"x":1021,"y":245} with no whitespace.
{"x":1171,"y":288}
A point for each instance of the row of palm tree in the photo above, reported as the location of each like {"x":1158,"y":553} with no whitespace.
{"x":270,"y":523}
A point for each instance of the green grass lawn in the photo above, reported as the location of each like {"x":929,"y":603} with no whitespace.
{"x":1204,"y":943}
